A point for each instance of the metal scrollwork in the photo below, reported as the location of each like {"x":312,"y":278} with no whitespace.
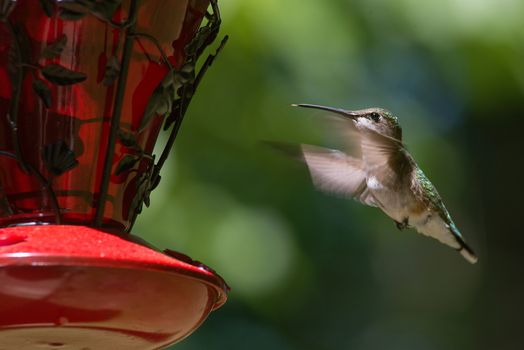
{"x":173,"y":95}
{"x":169,"y":99}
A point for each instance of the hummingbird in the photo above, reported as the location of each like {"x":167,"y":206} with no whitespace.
{"x":384,"y":175}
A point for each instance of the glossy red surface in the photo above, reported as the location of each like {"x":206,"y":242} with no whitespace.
{"x":73,"y":287}
{"x":78,"y":114}
{"x":74,"y":77}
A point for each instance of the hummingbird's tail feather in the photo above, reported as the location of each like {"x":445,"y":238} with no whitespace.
{"x":447,"y":233}
{"x":468,"y":254}
{"x":463,"y":248}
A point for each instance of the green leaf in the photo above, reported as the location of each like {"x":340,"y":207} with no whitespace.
{"x":55,"y":49}
{"x":43,"y":91}
{"x":59,"y":75}
{"x":48,"y":7}
{"x":126,"y":164}
{"x":112,"y":71}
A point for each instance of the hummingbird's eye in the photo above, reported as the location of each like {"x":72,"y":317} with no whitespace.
{"x":375,"y":116}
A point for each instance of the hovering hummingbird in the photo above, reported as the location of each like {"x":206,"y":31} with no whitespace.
{"x":385,"y":175}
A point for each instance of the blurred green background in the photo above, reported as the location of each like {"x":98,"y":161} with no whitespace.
{"x":310,"y":271}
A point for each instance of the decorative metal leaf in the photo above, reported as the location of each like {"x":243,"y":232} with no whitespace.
{"x":76,"y":9}
{"x":78,"y":6}
{"x":126,"y":164}
{"x":184,"y":78}
{"x":6,"y":6}
{"x":155,"y":182}
{"x":168,"y":79}
{"x":71,"y":15}
{"x":147,"y":198}
{"x":136,"y":203}
{"x":19,"y":51}
{"x":55,"y":49}
{"x":159,"y":103}
{"x":48,"y":7}
{"x":112,"y":71}
{"x":198,"y":41}
{"x":43,"y":91}
{"x":205,"y":36}
{"x":5,"y":207}
{"x":127,"y":138}
{"x":148,"y":187}
{"x":59,"y":158}
{"x":62,"y":76}
{"x":106,"y":9}
{"x":142,"y":194}
{"x":174,"y":115}
{"x":13,"y":63}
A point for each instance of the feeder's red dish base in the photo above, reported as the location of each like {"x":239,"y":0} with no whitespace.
{"x":73,"y":287}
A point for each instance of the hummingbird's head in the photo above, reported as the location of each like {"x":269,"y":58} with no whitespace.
{"x":370,"y":119}
{"x":378,"y":120}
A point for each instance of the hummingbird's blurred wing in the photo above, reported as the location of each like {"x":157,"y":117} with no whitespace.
{"x":386,"y":158}
{"x":335,"y":172}
{"x":377,"y":148}
{"x":332,"y":171}
{"x":344,"y":132}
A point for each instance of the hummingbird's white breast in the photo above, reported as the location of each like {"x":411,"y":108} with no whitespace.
{"x":401,"y":206}
{"x":392,"y":202}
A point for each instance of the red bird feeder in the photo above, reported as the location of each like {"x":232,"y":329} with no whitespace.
{"x":86,"y":86}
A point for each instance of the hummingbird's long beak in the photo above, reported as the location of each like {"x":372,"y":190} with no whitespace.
{"x":340,"y":111}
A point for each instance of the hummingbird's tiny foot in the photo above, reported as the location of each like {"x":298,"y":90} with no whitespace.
{"x":402,"y":225}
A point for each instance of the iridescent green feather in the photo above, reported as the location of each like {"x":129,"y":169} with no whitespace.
{"x":432,"y":196}
{"x":387,"y":114}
